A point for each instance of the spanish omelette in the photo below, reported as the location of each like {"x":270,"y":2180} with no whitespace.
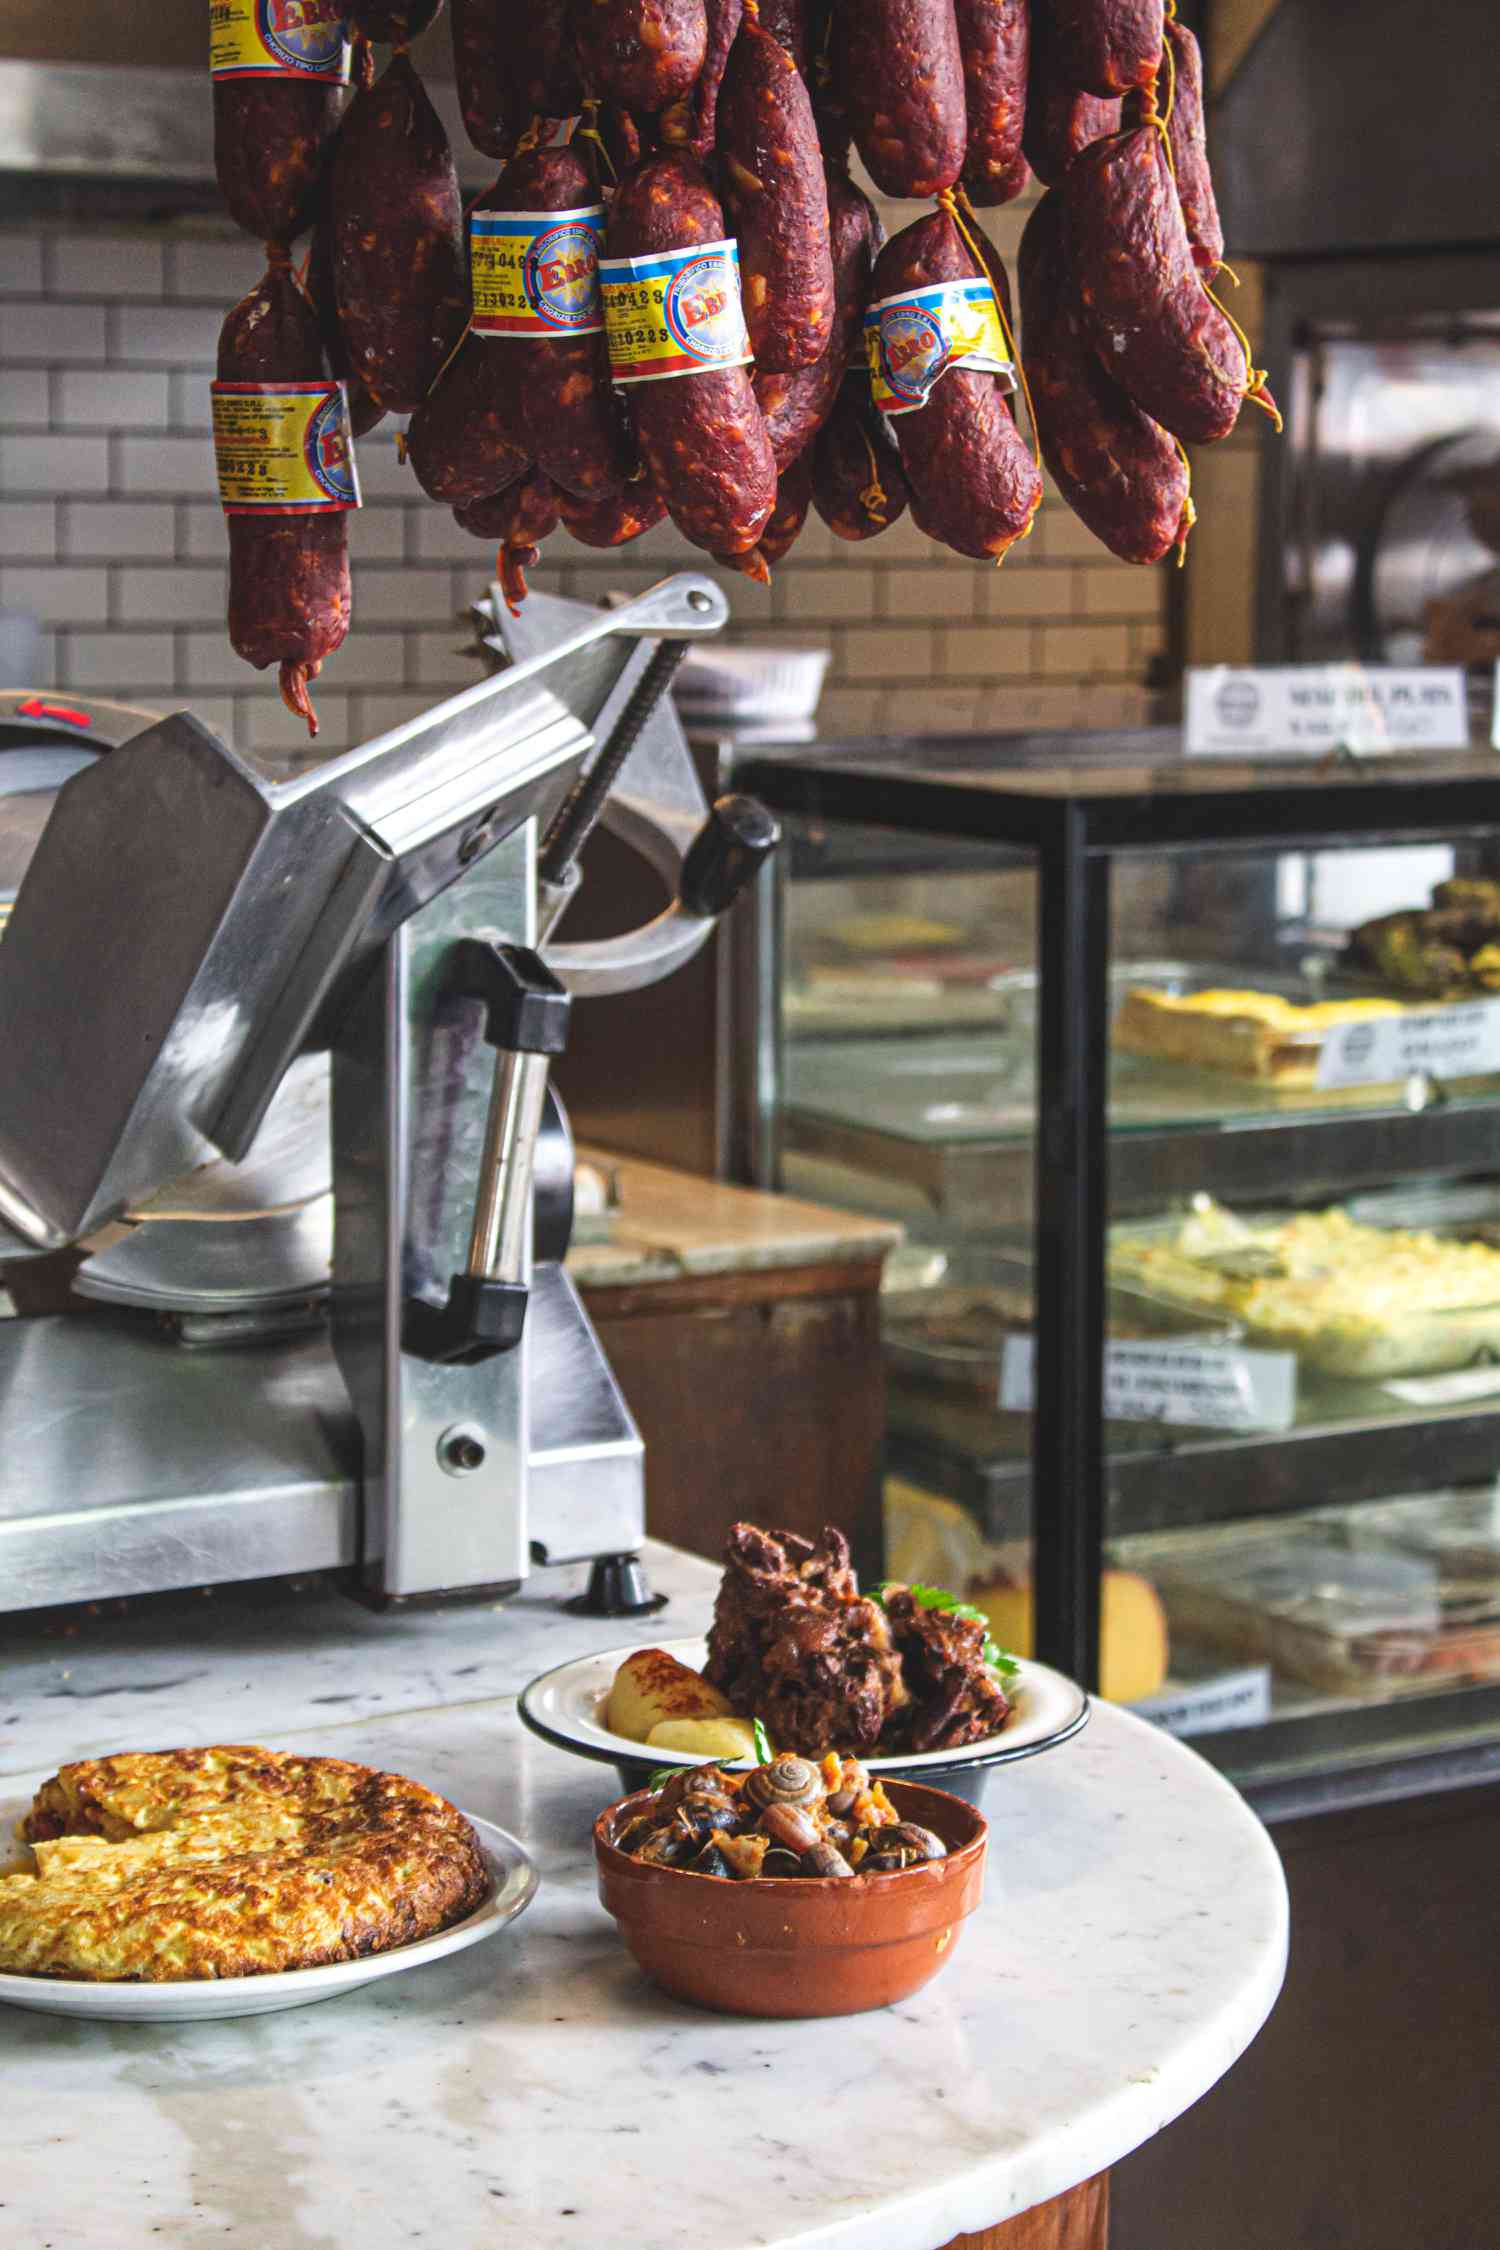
{"x":168,"y":1865}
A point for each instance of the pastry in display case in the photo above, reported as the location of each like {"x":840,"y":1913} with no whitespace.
{"x":1257,"y":1035}
{"x":1192,"y":1351}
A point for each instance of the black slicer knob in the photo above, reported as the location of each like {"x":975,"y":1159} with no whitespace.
{"x":730,"y":848}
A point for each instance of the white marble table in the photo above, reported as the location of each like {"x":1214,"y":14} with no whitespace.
{"x":536,"y":2092}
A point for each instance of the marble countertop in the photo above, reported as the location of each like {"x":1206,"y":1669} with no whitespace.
{"x":536,"y":2091}
{"x":670,"y":1225}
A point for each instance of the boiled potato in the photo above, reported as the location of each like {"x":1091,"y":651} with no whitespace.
{"x":705,"y":1738}
{"x":652,"y":1686}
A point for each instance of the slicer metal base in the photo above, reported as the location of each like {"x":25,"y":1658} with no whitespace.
{"x":131,"y":1466}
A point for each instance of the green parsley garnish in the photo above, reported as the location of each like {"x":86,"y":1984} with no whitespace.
{"x":995,"y":1658}
{"x":764,"y":1754}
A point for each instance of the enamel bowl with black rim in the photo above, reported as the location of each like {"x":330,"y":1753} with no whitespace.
{"x":566,"y":1708}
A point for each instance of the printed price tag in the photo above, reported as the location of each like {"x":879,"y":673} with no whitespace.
{"x":1314,"y":708}
{"x":913,"y":339}
{"x":278,"y":39}
{"x":1230,"y":1699}
{"x":1458,"y":1042}
{"x":675,"y":314}
{"x":536,"y":273}
{"x":1208,"y":1386}
{"x":284,"y":446}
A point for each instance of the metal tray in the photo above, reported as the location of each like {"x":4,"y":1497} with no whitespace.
{"x":948,"y":1332}
{"x":941,"y":1088}
{"x":1429,"y":1342}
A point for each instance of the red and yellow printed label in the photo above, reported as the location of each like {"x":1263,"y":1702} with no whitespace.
{"x":278,"y":39}
{"x":536,"y":273}
{"x":913,"y":339}
{"x":284,"y":447}
{"x":678,"y":313}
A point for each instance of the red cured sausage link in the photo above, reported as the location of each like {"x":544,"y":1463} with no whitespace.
{"x":1106,"y":46}
{"x":797,"y":406}
{"x":793,"y":500}
{"x":829,"y":105}
{"x":553,"y":392}
{"x":519,"y":519}
{"x":1116,"y":468}
{"x":483,"y":74}
{"x":702,"y":437}
{"x":463,"y":442}
{"x":642,"y":54}
{"x":288,"y":574}
{"x":692,"y":122}
{"x":272,"y":138}
{"x":771,"y":172}
{"x":364,"y":411}
{"x":1195,"y":187}
{"x":902,"y":74}
{"x":538,"y":49}
{"x":393,"y":27}
{"x":973,"y":483}
{"x":616,"y":521}
{"x":1060,"y":123}
{"x":399,"y":269}
{"x":995,"y":39}
{"x":1154,"y":324}
{"x":786,"y":21}
{"x":859,"y":485}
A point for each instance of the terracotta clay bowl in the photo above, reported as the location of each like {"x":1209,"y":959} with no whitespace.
{"x":797,"y":1945}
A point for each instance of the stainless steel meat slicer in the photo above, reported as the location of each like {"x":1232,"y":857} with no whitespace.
{"x":275,"y":1055}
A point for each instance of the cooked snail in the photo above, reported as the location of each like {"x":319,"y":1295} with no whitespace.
{"x":787,"y":1780}
{"x":787,"y":1818}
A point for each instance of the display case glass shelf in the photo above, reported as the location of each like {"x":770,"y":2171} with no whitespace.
{"x":1184,"y":1079}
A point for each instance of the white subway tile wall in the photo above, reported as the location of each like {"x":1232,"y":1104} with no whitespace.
{"x":110,"y":538}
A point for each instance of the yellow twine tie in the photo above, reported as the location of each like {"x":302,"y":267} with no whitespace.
{"x":1189,"y":514}
{"x":588,"y":130}
{"x":960,"y":210}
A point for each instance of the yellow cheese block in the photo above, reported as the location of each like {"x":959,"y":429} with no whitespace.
{"x":1133,"y":1631}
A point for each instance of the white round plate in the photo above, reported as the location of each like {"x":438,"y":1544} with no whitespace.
{"x":566,"y":1708}
{"x":512,"y":1886}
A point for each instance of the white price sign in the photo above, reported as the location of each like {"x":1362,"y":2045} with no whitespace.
{"x":1204,"y":1386}
{"x":1314,"y":708}
{"x":1457,"y":1042}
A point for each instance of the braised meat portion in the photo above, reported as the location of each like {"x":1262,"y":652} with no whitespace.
{"x":796,"y":1644}
{"x":954,"y":1695}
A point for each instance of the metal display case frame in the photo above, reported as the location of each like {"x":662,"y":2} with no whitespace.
{"x":1067,"y":805}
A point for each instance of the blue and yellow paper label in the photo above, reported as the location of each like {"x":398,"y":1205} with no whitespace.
{"x":678,"y":313}
{"x":284,"y":447}
{"x":913,"y":339}
{"x":279,"y":39}
{"x":536,"y":273}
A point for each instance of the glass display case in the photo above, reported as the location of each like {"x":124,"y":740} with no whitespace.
{"x":1184,"y":1080}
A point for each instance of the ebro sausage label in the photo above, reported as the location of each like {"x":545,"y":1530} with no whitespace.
{"x":284,"y":446}
{"x":914,"y":338}
{"x":677,"y":313}
{"x":278,"y":39}
{"x":536,"y":273}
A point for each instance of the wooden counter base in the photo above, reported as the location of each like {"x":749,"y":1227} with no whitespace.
{"x":1078,"y":2220}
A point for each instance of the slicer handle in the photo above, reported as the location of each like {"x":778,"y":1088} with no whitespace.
{"x":727,"y":853}
{"x":526,"y":1022}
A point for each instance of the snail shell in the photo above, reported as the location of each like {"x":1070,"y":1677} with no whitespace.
{"x":787,"y":1780}
{"x":791,"y":1827}
{"x":918,"y":1843}
{"x":777,"y":1862}
{"x":826,"y":1859}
